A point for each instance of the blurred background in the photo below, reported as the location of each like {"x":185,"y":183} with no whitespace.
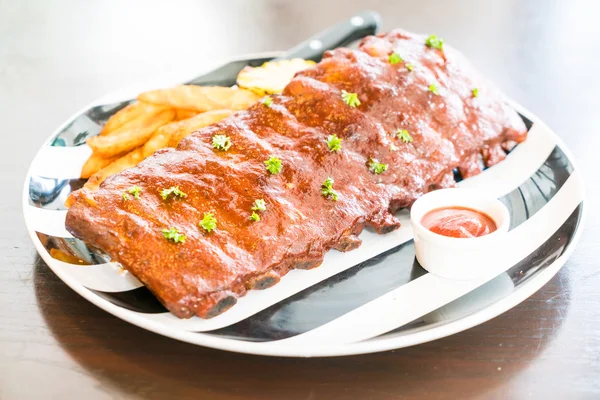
{"x":57,"y":56}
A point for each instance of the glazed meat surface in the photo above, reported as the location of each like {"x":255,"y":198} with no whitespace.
{"x":207,"y":273}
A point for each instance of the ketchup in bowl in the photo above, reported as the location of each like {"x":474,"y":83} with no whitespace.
{"x":458,"y":222}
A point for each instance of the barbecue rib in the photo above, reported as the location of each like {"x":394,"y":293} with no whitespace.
{"x":451,"y":127}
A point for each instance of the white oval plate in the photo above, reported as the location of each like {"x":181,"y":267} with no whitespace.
{"x":371,"y":299}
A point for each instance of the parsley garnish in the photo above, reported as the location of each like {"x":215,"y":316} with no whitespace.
{"x":174,"y":235}
{"x":435,"y":42}
{"x":259,"y":205}
{"x":165,"y":193}
{"x":376,"y":167}
{"x":410,"y":67}
{"x":327,"y":189}
{"x":404,"y":135}
{"x":273,"y":165}
{"x":433,"y":89}
{"x":475,"y":92}
{"x":209,"y":222}
{"x":254,"y":217}
{"x":267,"y":101}
{"x":135,"y":191}
{"x":125,"y":196}
{"x":334,"y":143}
{"x":221,"y":142}
{"x":395,"y":58}
{"x":350,"y":98}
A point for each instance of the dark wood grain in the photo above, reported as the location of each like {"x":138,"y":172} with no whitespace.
{"x":57,"y":56}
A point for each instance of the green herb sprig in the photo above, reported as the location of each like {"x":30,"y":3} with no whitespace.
{"x":395,"y":58}
{"x":403,"y":135}
{"x":273,"y":165}
{"x":209,"y":222}
{"x":221,"y":142}
{"x":351,"y":99}
{"x":334,"y":143}
{"x":174,"y":235}
{"x":327,"y":190}
{"x":434,"y":42}
{"x":173,"y":190}
{"x":376,"y":167}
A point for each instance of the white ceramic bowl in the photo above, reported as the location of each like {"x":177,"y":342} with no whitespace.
{"x":457,"y":258}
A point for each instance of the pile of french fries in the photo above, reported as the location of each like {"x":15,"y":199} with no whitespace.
{"x":158,"y":119}
{"x":161,"y":118}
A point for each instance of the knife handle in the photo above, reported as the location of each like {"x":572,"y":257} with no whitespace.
{"x":361,"y":25}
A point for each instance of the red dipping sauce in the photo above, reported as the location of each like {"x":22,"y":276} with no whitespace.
{"x":458,"y":222}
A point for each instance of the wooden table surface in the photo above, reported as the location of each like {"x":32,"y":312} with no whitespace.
{"x":57,"y":56}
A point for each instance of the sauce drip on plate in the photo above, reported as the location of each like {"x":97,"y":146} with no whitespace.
{"x":458,"y":222}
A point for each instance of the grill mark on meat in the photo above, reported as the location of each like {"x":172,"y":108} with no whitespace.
{"x":208,"y":273}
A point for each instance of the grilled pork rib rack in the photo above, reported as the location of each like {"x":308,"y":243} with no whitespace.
{"x":423,"y":113}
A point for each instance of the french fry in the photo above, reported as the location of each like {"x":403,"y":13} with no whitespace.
{"x":122,"y":163}
{"x":184,"y":114}
{"x":130,"y":117}
{"x":201,"y":98}
{"x":94,"y":164}
{"x":131,"y":159}
{"x":125,"y":140}
{"x":128,"y":114}
{"x":176,"y":131}
{"x":167,"y":135}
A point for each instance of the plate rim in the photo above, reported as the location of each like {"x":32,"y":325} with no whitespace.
{"x":272,"y":348}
